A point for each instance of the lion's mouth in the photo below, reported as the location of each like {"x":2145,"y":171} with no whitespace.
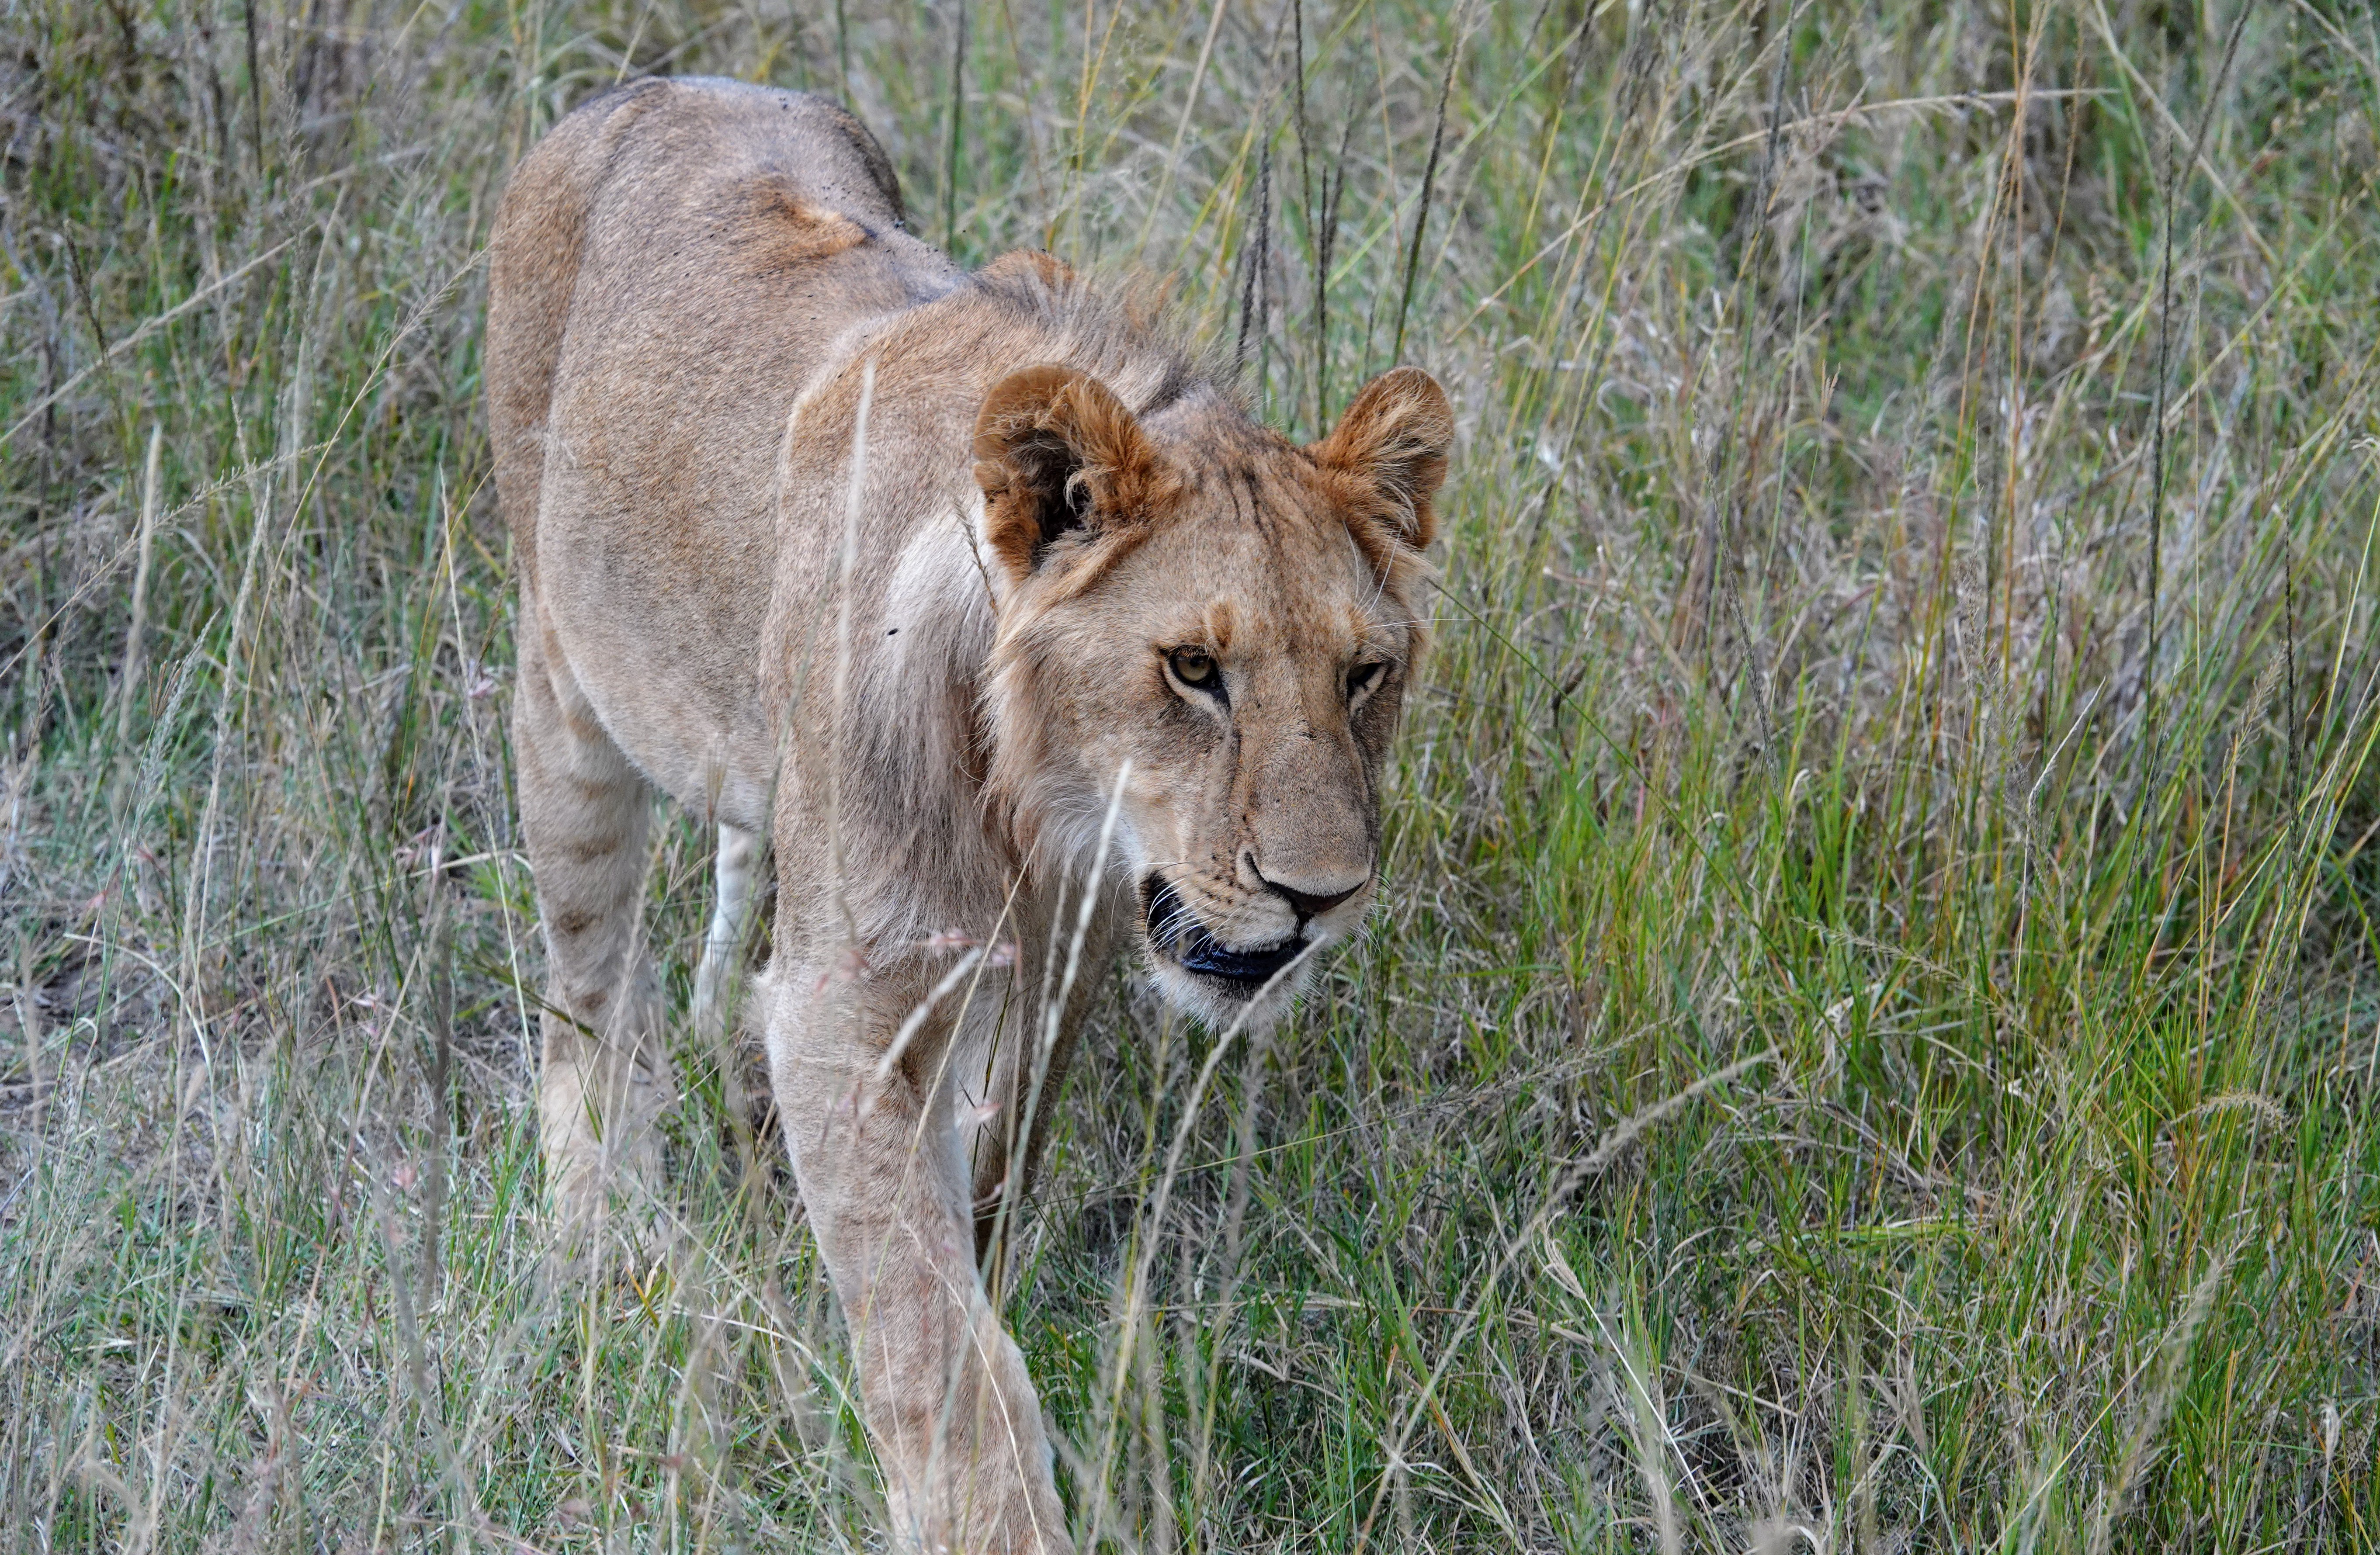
{"x":1175,"y":933}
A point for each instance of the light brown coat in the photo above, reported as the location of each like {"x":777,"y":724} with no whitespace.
{"x":974,"y":594}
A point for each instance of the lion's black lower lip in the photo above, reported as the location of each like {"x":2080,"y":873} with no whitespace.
{"x":1212,"y":960}
{"x":1177,"y":933}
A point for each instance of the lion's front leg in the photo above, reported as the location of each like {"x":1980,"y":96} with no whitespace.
{"x":1016,"y":1092}
{"x":955,"y":1421}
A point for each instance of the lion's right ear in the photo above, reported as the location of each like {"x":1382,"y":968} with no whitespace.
{"x":1060,"y":459}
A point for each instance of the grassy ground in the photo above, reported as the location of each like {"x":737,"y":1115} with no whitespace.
{"x":1872,"y":1035}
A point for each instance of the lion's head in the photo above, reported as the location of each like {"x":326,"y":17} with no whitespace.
{"x":1237,"y":618}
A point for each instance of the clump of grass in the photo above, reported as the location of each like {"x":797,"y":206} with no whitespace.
{"x":1873,"y":1034}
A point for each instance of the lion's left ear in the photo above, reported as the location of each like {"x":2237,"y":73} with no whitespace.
{"x":1395,"y":439}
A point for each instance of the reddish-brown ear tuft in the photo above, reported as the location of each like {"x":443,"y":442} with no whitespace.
{"x":1394,"y":441}
{"x":1060,"y":459}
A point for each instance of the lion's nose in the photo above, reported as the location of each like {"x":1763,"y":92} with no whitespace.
{"x":1312,"y":904}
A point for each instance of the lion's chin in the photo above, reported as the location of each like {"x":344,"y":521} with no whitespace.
{"x":1224,"y":1003}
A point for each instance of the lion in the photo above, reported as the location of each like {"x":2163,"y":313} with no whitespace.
{"x":1017,"y":638}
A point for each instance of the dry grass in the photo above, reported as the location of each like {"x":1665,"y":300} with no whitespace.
{"x":1873,"y":1037}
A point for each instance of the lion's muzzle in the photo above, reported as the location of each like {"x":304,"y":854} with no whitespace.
{"x":1175,"y":933}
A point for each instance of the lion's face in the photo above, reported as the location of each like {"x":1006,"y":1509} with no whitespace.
{"x":1227,"y":623}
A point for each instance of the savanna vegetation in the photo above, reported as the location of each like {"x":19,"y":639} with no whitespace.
{"x":1871,"y":1037}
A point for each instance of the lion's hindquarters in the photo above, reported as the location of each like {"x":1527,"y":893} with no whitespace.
{"x":534,"y":252}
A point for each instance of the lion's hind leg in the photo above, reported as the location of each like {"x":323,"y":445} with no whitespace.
{"x":606,"y":1077}
{"x":716,"y":978}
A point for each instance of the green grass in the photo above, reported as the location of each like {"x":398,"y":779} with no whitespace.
{"x":1871,"y":1039}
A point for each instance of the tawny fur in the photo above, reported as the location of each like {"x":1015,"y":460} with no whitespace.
{"x":930,"y":679}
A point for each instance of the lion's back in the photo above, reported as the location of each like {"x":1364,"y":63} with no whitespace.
{"x":668,"y":218}
{"x":670,"y":264}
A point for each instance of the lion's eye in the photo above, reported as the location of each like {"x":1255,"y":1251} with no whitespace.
{"x":1194,"y":666}
{"x":1363,"y":677}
